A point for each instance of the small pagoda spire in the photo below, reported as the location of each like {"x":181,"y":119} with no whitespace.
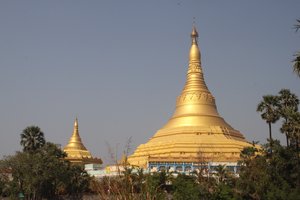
{"x":76,"y":151}
{"x":75,"y":140}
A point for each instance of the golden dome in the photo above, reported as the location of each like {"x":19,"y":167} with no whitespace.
{"x":196,"y":128}
{"x":76,"y":151}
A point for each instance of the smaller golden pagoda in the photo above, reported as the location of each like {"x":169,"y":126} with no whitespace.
{"x":76,"y":151}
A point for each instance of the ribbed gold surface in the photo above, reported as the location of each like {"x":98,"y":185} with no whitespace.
{"x":196,"y":129}
{"x":76,"y":151}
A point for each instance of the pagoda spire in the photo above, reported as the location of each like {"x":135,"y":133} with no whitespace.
{"x":75,"y":140}
{"x":195,"y":98}
{"x":76,"y":151}
{"x":195,"y":79}
{"x":195,"y":56}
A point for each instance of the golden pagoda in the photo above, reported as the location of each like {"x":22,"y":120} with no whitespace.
{"x":196,"y":132}
{"x":76,"y":151}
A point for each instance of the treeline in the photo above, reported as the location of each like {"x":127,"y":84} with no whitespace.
{"x":40,"y":171}
{"x":261,"y":176}
{"x":282,"y":106}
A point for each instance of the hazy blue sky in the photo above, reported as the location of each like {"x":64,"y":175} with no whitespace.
{"x":119,"y":65}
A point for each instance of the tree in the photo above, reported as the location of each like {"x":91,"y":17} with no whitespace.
{"x":41,"y":172}
{"x":223,"y":192}
{"x":4,"y":179}
{"x":206,"y":183}
{"x":296,"y":64}
{"x":155,"y":185}
{"x":292,"y":126}
{"x":296,"y":124}
{"x":78,"y":182}
{"x":185,"y":187}
{"x":37,"y":175}
{"x":296,"y":61}
{"x":221,"y":173}
{"x":32,"y":138}
{"x":288,"y":100}
{"x":269,"y":112}
{"x":44,"y":174}
{"x":288,"y":103}
{"x":264,"y":177}
{"x":53,"y":170}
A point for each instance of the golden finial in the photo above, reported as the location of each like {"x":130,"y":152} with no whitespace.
{"x":194,"y":34}
{"x":76,"y":122}
{"x":194,"y":51}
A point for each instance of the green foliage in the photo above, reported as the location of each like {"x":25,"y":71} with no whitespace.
{"x":284,"y":106}
{"x":287,"y":101}
{"x":32,"y":138}
{"x":206,"y":184}
{"x":288,"y":109}
{"x":4,"y":178}
{"x":264,"y":177}
{"x":77,"y":181}
{"x":155,"y":185}
{"x":40,"y":170}
{"x":185,"y":187}
{"x":296,"y":61}
{"x":44,"y":174}
{"x":223,"y":192}
{"x":296,"y":64}
{"x":268,"y":108}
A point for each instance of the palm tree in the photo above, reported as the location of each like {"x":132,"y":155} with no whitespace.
{"x":294,"y":125}
{"x":269,"y":112}
{"x":32,"y":138}
{"x":288,"y":103}
{"x":296,"y":61}
{"x":296,"y":64}
{"x":286,"y":126}
{"x":221,"y":173}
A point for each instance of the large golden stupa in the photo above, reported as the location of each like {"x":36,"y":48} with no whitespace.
{"x":76,"y":151}
{"x":196,"y":132}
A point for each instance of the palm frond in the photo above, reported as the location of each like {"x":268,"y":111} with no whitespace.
{"x":297,"y":26}
{"x":296,"y":63}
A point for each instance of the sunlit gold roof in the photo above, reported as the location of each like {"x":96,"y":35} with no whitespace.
{"x":76,"y":151}
{"x":196,"y":129}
